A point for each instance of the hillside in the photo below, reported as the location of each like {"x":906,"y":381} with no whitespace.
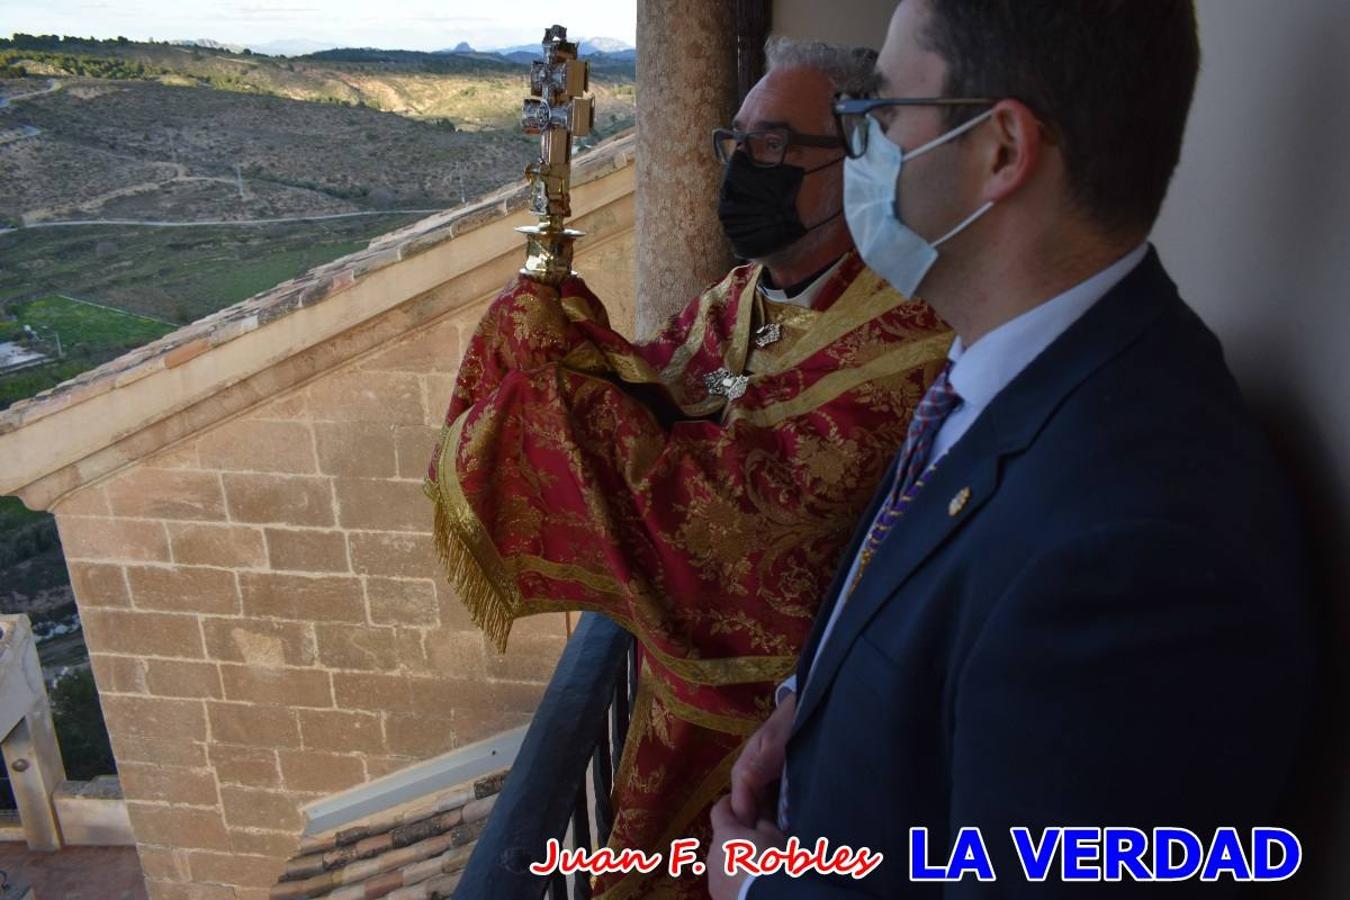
{"x":472,"y":90}
{"x":137,"y":130}
{"x":141,"y":149}
{"x":159,"y":133}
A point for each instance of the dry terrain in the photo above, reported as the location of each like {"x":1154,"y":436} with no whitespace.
{"x":141,"y":149}
{"x":160,"y":133}
{"x":171,"y":135}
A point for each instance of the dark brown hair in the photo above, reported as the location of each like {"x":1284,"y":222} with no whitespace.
{"x":1112,"y":79}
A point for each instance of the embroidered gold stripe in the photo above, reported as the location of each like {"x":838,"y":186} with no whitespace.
{"x":698,"y":330}
{"x":693,"y":339}
{"x":712,"y":787}
{"x":707,"y":672}
{"x":865,"y":299}
{"x":831,"y":386}
{"x":743,"y":726}
{"x":740,"y":335}
{"x":638,"y":726}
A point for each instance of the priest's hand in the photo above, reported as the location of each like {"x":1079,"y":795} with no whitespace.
{"x":727,"y":827}
{"x":760,"y":766}
{"x":523,"y":285}
{"x":571,"y":286}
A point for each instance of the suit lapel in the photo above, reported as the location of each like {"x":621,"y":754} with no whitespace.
{"x":956,"y":489}
{"x":968,"y":476}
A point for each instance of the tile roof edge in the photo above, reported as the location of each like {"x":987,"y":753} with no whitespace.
{"x":368,"y":803}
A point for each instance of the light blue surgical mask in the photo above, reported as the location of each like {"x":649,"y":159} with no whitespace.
{"x":872,"y":207}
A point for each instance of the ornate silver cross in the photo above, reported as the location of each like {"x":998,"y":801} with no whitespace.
{"x":724,"y":384}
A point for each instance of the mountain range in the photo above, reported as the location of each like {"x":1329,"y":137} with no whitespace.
{"x":586,"y":46}
{"x":612,"y":48}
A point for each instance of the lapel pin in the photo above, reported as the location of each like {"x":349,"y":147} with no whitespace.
{"x":958,"y":502}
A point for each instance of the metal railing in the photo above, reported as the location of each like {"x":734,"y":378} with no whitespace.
{"x":570,"y":754}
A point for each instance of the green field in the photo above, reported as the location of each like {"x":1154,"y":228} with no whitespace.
{"x":87,"y":325}
{"x":176,"y":275}
{"x":89,"y":335}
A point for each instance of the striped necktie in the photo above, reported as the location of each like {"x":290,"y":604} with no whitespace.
{"x":932,"y":411}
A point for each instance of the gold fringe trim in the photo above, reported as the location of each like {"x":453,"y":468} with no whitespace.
{"x":471,"y":563}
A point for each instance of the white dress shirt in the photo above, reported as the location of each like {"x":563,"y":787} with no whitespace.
{"x":979,"y":373}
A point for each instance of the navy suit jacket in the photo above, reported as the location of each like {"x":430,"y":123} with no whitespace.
{"x":1110,"y":631}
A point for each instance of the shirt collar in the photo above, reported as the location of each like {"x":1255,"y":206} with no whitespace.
{"x":806,"y":298}
{"x":981,"y":371}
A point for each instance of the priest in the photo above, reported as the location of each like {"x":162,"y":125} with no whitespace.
{"x":698,"y":488}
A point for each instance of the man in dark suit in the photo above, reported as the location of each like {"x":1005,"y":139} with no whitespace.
{"x":1077,"y":599}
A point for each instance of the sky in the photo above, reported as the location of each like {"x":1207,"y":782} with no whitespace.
{"x":392,"y":24}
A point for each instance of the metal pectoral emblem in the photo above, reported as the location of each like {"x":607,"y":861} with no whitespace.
{"x":723,"y":384}
{"x":557,"y":111}
{"x":768,"y":334}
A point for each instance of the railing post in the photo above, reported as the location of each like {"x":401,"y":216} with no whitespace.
{"x":29,"y":746}
{"x":602,"y":777}
{"x":546,"y":788}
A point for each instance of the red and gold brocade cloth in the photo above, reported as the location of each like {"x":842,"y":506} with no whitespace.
{"x":579,"y":471}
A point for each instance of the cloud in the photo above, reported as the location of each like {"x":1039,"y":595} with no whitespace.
{"x":265,"y":11}
{"x":396,"y":24}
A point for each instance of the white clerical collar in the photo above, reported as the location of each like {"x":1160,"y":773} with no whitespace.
{"x":979,"y":372}
{"x":805,"y":298}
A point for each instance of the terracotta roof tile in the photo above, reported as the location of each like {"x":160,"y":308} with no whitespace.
{"x":415,"y":852}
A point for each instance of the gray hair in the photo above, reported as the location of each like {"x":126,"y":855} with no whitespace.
{"x":852,"y":70}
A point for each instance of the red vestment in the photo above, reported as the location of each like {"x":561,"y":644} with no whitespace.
{"x":579,"y":471}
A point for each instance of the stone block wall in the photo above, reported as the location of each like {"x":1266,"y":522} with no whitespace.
{"x":267,"y":619}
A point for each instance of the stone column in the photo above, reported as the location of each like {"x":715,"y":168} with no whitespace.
{"x":686,"y":87}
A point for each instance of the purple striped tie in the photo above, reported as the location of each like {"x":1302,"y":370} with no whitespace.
{"x":932,"y":411}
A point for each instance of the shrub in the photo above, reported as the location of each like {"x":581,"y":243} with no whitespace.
{"x":85,"y":748}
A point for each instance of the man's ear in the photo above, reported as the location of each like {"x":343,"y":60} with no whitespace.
{"x":1015,"y":139}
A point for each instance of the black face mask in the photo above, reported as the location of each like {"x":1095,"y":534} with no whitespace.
{"x":758,"y":206}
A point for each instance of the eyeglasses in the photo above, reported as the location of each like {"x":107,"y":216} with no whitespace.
{"x":850,"y":114}
{"x":768,"y":147}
